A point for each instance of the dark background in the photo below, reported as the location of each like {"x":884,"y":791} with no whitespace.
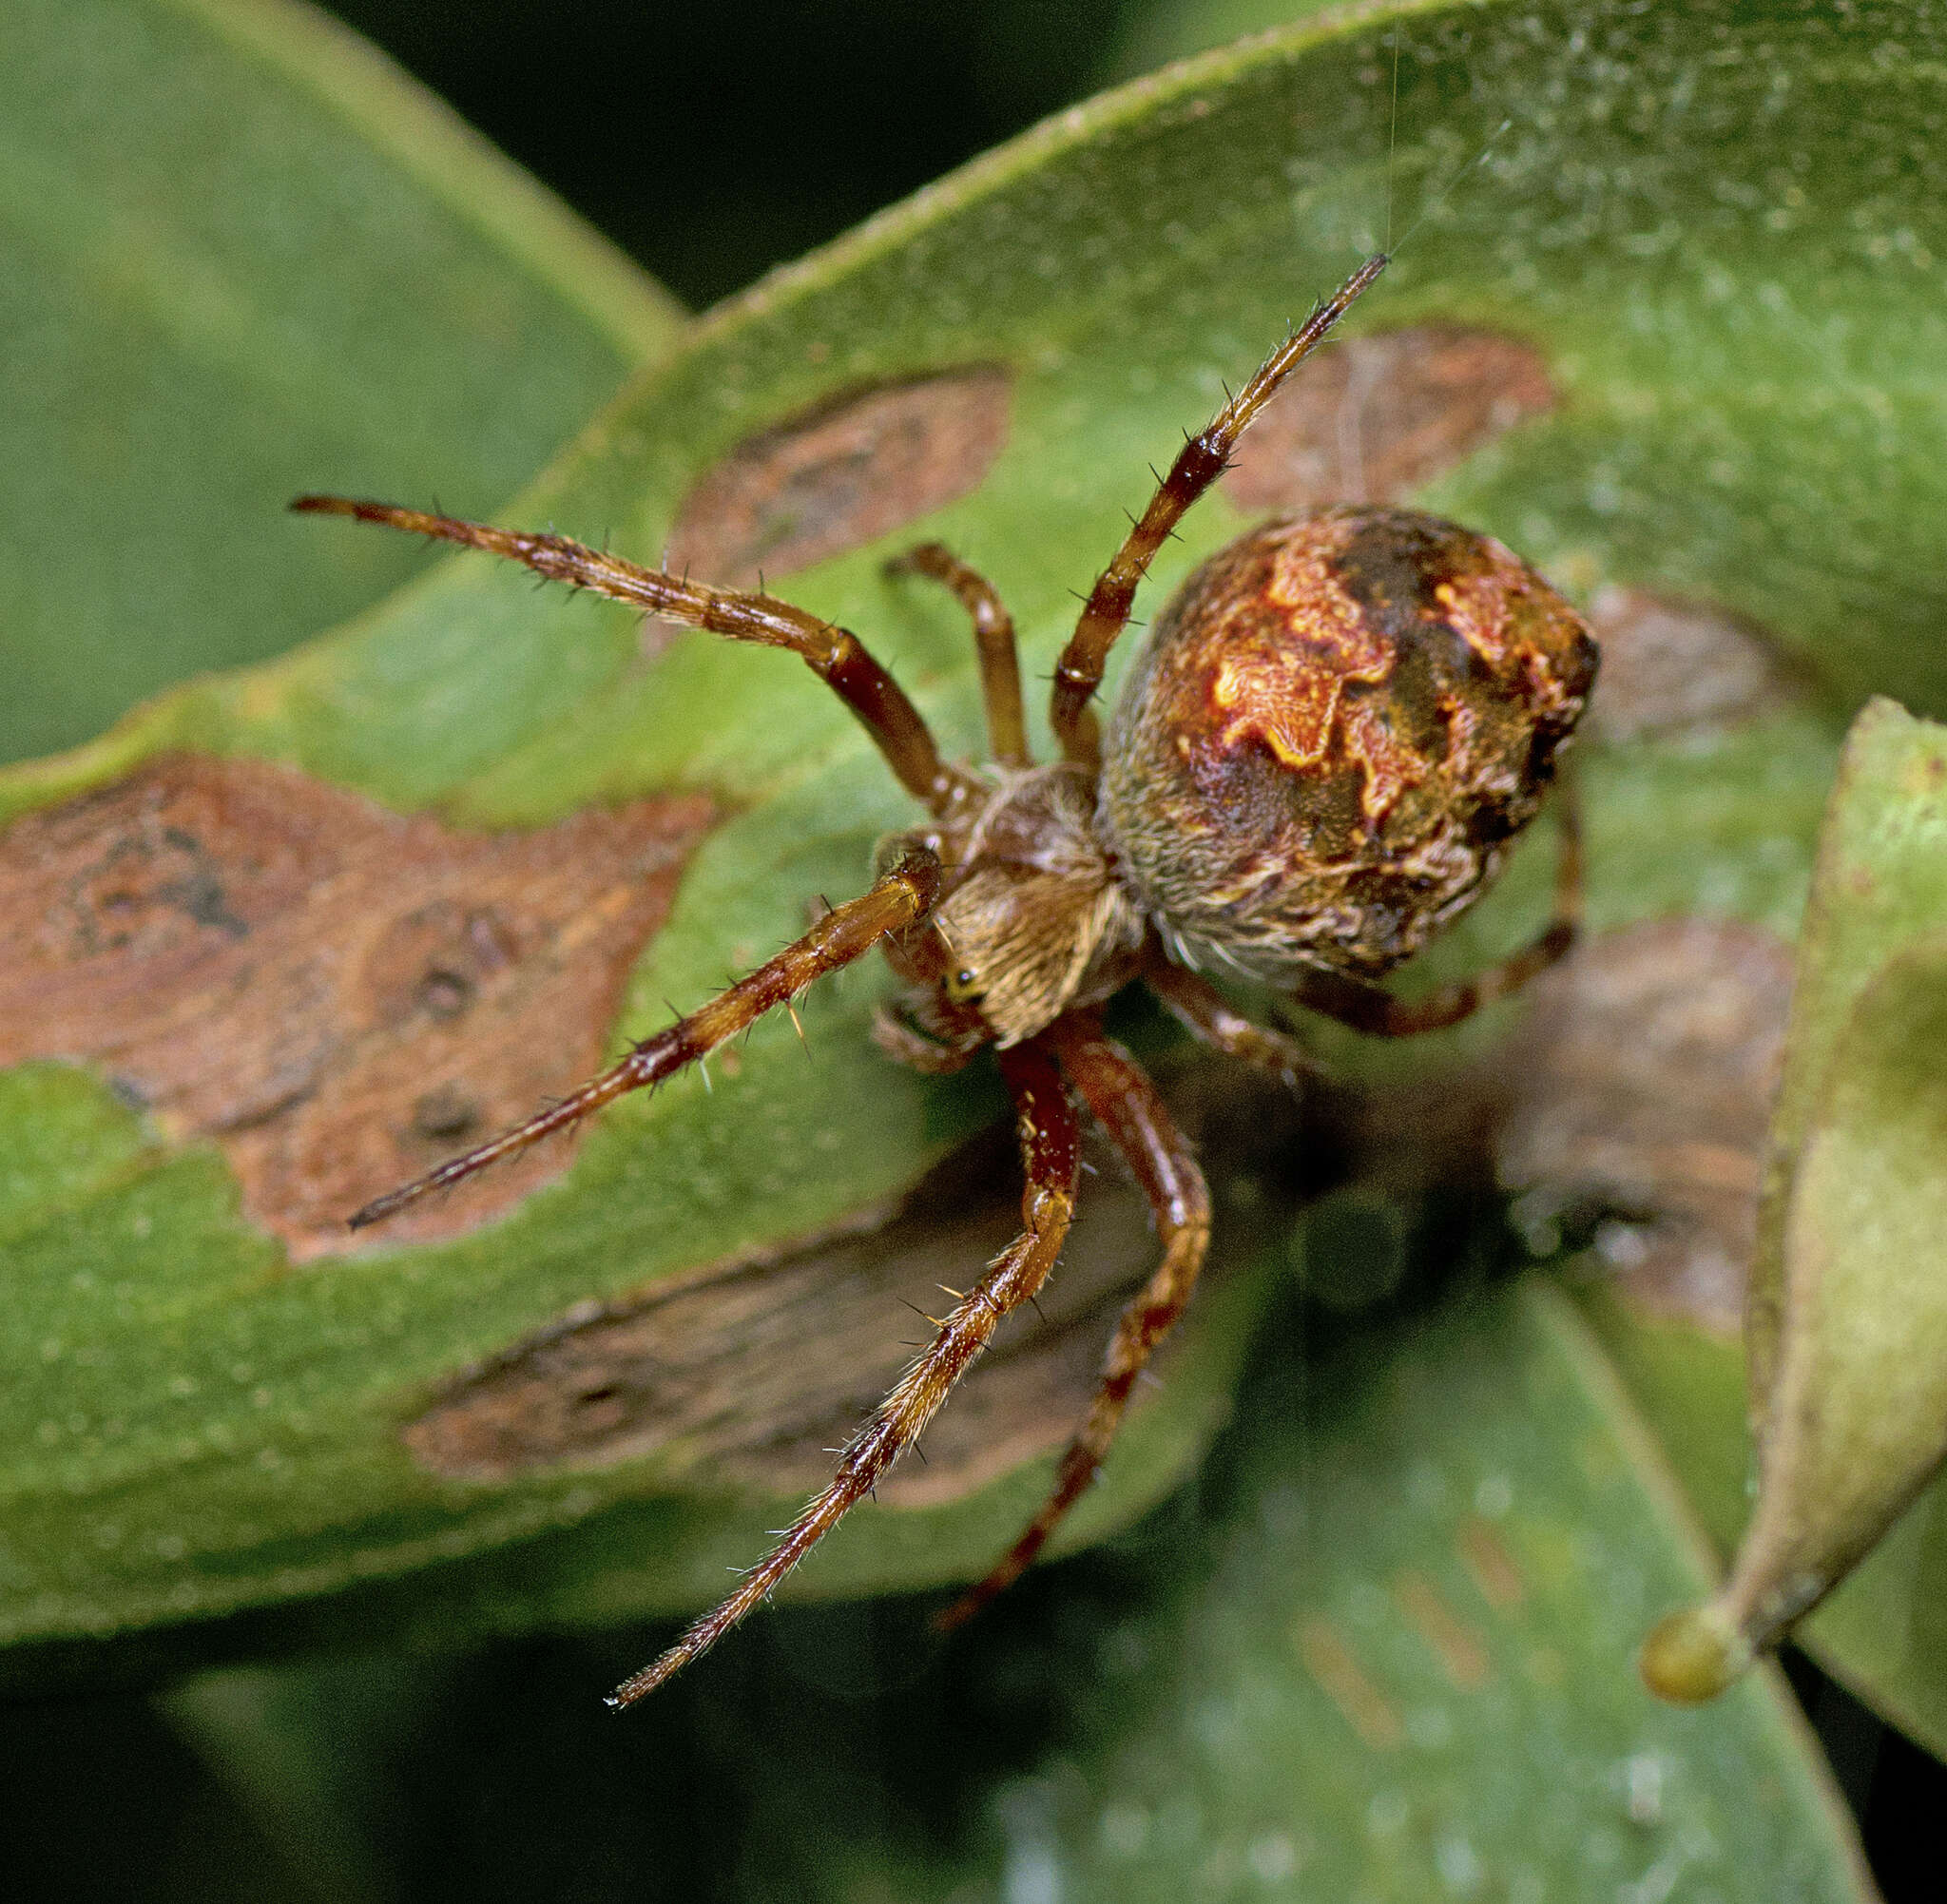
{"x":715,"y":139}
{"x":711,"y":141}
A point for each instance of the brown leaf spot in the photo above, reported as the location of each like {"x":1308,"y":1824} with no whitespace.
{"x":842,"y":474}
{"x":1645,"y":1094}
{"x":1670,"y":666}
{"x":1490,"y":1565}
{"x":754,"y":1372}
{"x":336,"y":994}
{"x":1459,"y":1649}
{"x":1343,"y":1681}
{"x":1377,"y":416}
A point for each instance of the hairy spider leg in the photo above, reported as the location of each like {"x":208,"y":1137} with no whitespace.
{"x":835,"y":655}
{"x":1129,"y":1107}
{"x":1199,"y":463}
{"x":1050,"y":1159}
{"x":1124,"y":1101}
{"x":904,"y":895}
{"x":994,"y":634}
{"x":1371,"y":1009}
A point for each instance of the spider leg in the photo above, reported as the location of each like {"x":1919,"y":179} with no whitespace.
{"x":1205,"y":1011}
{"x":994,"y":634}
{"x":844,"y":935}
{"x":1199,"y":463}
{"x":1368,"y":1008}
{"x":1122,"y":1099}
{"x":835,"y":655}
{"x":1051,"y":1154}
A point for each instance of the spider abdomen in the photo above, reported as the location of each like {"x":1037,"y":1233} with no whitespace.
{"x":1338,"y":724}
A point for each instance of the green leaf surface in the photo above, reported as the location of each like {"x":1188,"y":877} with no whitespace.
{"x":238,"y":249}
{"x":1174,"y":29}
{"x":1878,"y":1632}
{"x":1360,"y":1684}
{"x":1868,"y":1380}
{"x":1881,"y":1631}
{"x":1746,"y":341}
{"x":1384,"y":1656}
{"x":1878,"y":901}
{"x":1848,"y":1314}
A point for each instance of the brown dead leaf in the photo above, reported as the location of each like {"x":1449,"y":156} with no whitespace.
{"x":1375,"y":417}
{"x":339,"y":996}
{"x":1647,"y":1075}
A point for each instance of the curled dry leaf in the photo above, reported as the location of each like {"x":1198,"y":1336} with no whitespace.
{"x":1375,"y":417}
{"x":332,"y":992}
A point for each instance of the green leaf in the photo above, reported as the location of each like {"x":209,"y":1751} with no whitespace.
{"x":1746,"y":342}
{"x":1383,"y":1654}
{"x":1848,"y":1314}
{"x":1369,"y":1699}
{"x":1173,"y":30}
{"x":237,"y":248}
{"x":1878,"y":896}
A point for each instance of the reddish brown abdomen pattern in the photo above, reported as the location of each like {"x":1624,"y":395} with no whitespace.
{"x":1338,"y":724}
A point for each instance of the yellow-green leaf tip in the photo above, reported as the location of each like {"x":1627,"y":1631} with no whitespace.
{"x":1692,"y":1655}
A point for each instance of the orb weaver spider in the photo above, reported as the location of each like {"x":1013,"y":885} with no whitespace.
{"x":1337,"y":725}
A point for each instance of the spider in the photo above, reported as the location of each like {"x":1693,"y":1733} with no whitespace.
{"x":1338,"y":724}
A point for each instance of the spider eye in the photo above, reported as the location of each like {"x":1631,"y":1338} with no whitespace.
{"x":962,"y":984}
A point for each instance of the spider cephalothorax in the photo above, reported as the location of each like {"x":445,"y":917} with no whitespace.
{"x":1336,"y":728}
